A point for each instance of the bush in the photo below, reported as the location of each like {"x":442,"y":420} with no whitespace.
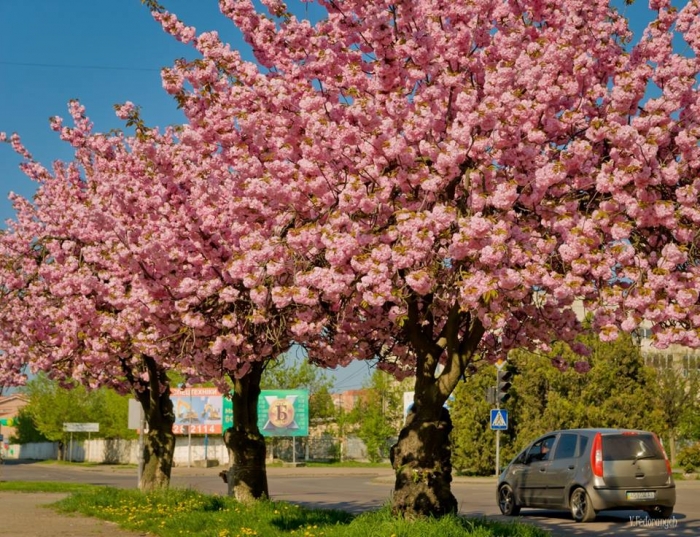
{"x":689,"y":458}
{"x":26,"y":430}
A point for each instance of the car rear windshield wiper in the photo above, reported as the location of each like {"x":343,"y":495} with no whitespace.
{"x":640,"y":457}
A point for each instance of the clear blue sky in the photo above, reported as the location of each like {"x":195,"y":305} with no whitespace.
{"x":102,"y":53}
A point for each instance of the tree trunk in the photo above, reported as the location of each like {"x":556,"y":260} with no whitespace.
{"x":159,"y":443}
{"x":672,"y":447}
{"x":422,"y":461}
{"x":247,"y":476}
{"x":422,"y":457}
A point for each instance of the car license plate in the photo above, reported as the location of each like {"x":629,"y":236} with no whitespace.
{"x":641,"y":495}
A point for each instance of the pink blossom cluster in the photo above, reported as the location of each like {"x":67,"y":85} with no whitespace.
{"x":133,"y":249}
{"x":418,"y":181}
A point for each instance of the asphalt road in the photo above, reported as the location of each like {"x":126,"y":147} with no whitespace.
{"x":359,"y":489}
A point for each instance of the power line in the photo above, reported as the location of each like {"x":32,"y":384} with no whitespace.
{"x":344,"y":383}
{"x":76,"y":66}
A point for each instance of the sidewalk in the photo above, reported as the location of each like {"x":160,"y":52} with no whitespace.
{"x":24,"y":514}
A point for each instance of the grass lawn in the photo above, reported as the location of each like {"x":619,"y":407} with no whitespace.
{"x":185,"y":512}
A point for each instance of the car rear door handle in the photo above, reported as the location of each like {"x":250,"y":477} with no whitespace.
{"x":571,"y":467}
{"x":543,"y":470}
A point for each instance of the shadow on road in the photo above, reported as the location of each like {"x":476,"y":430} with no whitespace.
{"x":617,"y":523}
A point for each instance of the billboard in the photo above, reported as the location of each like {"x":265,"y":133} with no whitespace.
{"x":283,"y":413}
{"x":408,"y":402}
{"x":197,"y":411}
{"x":280,"y":413}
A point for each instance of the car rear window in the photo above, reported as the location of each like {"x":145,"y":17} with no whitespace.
{"x":628,"y":447}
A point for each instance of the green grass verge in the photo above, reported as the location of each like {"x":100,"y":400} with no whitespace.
{"x":46,"y":486}
{"x":54,"y":462}
{"x":184,"y":512}
{"x":345,"y":464}
{"x":276,"y":464}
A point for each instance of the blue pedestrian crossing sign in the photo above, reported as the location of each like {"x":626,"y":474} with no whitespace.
{"x":499,"y":419}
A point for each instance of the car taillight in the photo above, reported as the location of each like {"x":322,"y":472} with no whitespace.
{"x":661,"y":447}
{"x":597,"y":455}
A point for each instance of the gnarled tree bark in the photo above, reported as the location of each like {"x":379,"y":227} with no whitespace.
{"x":159,"y":445}
{"x":422,"y":461}
{"x":422,"y":456}
{"x":247,"y":475}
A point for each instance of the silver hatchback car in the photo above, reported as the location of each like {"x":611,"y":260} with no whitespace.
{"x":590,"y":470}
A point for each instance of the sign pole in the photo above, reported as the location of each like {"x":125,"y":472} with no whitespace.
{"x":499,"y":366}
{"x":141,"y":446}
{"x":137,"y":421}
{"x":498,"y":450}
{"x":189,"y":433}
{"x":498,"y":432}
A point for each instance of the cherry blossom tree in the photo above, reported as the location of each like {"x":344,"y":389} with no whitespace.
{"x":453,"y":180}
{"x":82,"y":293}
{"x":159,"y":246}
{"x":116,"y":274}
{"x":226,"y":249}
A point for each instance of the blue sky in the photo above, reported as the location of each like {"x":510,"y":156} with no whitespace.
{"x":102,"y":53}
{"x":97,"y":51}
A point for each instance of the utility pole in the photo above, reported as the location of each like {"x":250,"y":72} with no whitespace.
{"x":503,"y":384}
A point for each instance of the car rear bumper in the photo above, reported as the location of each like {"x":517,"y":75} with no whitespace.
{"x":607,"y":498}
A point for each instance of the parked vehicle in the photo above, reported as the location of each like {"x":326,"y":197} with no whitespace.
{"x":590,"y":470}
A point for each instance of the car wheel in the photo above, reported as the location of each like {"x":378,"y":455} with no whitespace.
{"x":660,"y":511}
{"x":506,"y":501}
{"x":581,"y":507}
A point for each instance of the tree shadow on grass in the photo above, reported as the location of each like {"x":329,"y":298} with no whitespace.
{"x":301,"y":518}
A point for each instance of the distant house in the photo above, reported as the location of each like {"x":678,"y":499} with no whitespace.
{"x":10,"y":405}
{"x":348,"y":399}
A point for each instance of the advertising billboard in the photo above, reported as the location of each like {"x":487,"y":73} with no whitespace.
{"x":280,"y":413}
{"x":197,"y":411}
{"x":283,"y":413}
